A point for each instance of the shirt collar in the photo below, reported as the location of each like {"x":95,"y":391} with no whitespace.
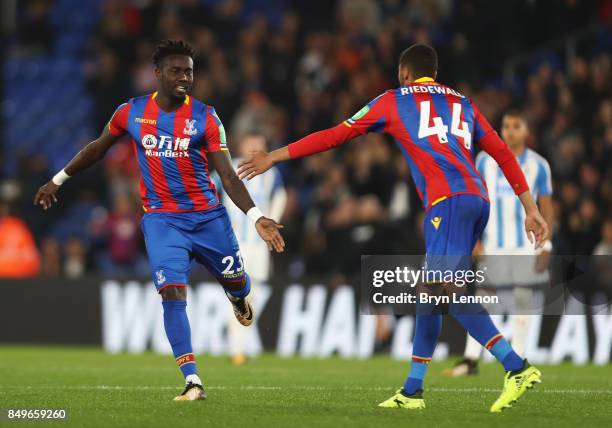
{"x":186,"y":102}
{"x":424,"y":80}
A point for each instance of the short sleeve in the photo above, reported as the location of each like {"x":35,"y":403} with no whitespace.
{"x":543,"y":183}
{"x":117,"y":125}
{"x":373,"y":117}
{"x":214,"y":132}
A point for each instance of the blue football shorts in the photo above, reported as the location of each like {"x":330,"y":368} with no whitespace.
{"x":452,"y":228}
{"x":174,"y":240}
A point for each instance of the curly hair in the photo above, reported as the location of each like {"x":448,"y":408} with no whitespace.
{"x":171,"y":47}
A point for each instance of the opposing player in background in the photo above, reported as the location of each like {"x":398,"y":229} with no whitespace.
{"x":436,"y":128}
{"x":505,"y":251}
{"x":268,"y":193}
{"x":175,"y":136}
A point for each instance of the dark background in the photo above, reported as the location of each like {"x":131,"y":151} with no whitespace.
{"x":283,"y":69}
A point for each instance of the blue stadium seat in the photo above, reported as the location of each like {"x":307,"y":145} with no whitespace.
{"x":40,"y":90}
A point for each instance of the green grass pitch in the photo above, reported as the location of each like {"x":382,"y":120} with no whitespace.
{"x":102,"y":390}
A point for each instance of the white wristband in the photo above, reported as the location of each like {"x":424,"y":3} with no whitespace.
{"x":546,"y":246}
{"x":254,"y":214}
{"x":60,"y":177}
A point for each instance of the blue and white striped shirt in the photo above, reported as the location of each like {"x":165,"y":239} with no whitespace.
{"x":505,"y":231}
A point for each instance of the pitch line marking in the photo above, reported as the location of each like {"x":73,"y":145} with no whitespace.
{"x":298,"y":388}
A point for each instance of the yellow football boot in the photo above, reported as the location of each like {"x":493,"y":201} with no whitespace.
{"x":401,"y":401}
{"x":515,"y":385}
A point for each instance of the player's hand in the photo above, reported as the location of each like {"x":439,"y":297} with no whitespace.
{"x":46,"y":195}
{"x":536,"y":228}
{"x":268,"y":229}
{"x":258,"y":163}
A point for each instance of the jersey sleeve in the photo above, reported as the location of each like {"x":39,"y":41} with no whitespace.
{"x":487,"y":138}
{"x":371,"y":118}
{"x":118,"y":123}
{"x":543,"y":183}
{"x":214,"y":132}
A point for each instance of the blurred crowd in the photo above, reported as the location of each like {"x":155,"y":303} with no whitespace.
{"x":284,"y":69}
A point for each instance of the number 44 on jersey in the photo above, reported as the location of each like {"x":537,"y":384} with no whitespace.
{"x":459,"y":128}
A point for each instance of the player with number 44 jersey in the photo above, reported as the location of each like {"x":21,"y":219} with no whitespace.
{"x":438,"y":145}
{"x":437,"y":130}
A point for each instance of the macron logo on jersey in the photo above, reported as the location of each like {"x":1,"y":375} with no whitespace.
{"x":145,"y":121}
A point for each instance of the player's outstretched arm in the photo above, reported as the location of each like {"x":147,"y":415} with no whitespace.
{"x":371,"y":118}
{"x":317,"y":142}
{"x":86,"y":157}
{"x":267,"y":228}
{"x":260,"y":162}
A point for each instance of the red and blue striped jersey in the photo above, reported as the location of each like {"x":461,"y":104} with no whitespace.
{"x":171,"y":148}
{"x":435,"y":128}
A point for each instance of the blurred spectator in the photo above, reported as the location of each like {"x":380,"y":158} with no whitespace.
{"x":119,"y":234}
{"x":284,"y":69}
{"x":19,"y":257}
{"x":75,"y":258}
{"x":51,"y":258}
{"x":602,"y":266}
{"x":35,"y":32}
{"x":109,"y":85}
{"x":604,"y":248}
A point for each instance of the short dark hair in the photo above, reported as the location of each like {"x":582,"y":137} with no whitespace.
{"x":422,"y":60}
{"x":171,"y":47}
{"x":516,"y":113}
